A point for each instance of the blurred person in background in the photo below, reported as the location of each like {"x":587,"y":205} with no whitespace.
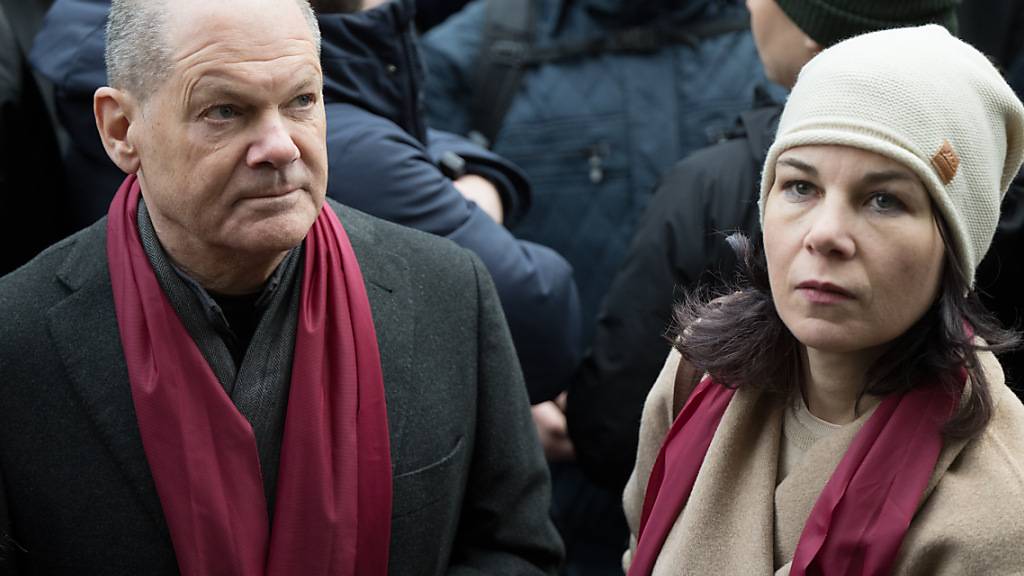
{"x":33,"y":211}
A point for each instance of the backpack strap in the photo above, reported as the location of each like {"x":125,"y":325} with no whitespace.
{"x":509,"y":50}
{"x":509,"y":34}
{"x":646,"y":39}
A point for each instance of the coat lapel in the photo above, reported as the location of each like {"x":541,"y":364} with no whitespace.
{"x":726,"y":526}
{"x":389,"y":290}
{"x":95,"y":365}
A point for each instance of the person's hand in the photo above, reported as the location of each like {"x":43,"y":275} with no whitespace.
{"x":483,"y":193}
{"x":549,"y":417}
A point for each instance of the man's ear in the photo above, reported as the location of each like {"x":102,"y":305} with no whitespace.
{"x":813,"y":46}
{"x":115,"y":110}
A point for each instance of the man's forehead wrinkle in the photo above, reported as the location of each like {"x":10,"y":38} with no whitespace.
{"x":218,"y":61}
{"x":240,"y":49}
{"x":270,"y":78}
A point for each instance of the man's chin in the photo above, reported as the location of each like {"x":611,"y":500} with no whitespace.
{"x":272,"y":236}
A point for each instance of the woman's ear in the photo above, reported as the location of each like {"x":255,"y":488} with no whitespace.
{"x":114,"y":110}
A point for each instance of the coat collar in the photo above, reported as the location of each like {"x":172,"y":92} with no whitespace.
{"x":390,"y":290}
{"x":737,"y":520}
{"x":727,"y":524}
{"x":95,"y":362}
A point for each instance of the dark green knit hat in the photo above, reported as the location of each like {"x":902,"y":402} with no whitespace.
{"x":830,"y":21}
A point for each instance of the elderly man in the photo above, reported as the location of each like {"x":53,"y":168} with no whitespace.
{"x":380,"y":154}
{"x":226,"y":376}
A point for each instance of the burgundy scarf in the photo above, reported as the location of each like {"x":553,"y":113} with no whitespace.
{"x":333,"y":501}
{"x":859,"y":520}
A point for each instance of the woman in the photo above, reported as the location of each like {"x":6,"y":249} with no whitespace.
{"x":852,"y":418}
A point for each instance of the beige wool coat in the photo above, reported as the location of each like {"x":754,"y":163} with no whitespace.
{"x":970,"y":521}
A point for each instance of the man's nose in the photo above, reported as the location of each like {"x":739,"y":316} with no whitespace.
{"x":830,"y":229}
{"x":273,"y":146}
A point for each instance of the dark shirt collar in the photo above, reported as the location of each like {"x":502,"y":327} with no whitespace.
{"x":211,"y":309}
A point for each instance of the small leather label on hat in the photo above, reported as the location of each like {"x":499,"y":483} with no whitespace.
{"x":946,"y":162}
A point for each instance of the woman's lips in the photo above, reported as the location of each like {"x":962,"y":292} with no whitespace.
{"x":823,"y":292}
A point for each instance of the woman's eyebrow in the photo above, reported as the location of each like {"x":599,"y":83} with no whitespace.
{"x":799,"y":165}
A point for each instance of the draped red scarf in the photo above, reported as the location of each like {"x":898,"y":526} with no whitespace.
{"x":333,"y":498}
{"x":859,"y":520}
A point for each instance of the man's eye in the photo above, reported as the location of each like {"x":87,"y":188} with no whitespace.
{"x":305,"y":100}
{"x":222,"y":112}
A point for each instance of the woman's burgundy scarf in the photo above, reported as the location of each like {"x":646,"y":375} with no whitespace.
{"x":859,"y":520}
{"x":333,"y":501}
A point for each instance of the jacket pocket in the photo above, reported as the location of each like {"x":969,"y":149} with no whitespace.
{"x":586,"y":151}
{"x":419,"y":488}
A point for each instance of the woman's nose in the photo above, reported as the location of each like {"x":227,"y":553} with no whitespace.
{"x":829,"y":231}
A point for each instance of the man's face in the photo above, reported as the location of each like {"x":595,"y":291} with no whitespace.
{"x":231,"y":146}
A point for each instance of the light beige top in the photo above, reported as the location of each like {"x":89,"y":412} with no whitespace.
{"x":800,"y":431}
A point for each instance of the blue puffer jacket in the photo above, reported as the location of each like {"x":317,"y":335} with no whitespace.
{"x":593,"y":135}
{"x":380,"y":163}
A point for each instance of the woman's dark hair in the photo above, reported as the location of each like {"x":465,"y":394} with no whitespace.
{"x":738,"y":338}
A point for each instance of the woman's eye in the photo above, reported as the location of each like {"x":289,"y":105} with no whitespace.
{"x":799,"y":189}
{"x":885,"y":202}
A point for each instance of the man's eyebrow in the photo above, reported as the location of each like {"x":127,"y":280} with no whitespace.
{"x":799,"y":165}
{"x":217,"y":89}
{"x":212,"y":87}
{"x":304,"y":83}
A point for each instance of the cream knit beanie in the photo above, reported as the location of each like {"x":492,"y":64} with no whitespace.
{"x":927,"y":100}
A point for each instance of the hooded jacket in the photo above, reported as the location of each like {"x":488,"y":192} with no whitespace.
{"x":382,"y":161}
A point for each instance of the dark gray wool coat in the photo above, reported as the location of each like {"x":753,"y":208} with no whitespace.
{"x":471,"y":489}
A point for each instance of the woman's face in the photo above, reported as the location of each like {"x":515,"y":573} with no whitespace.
{"x":854,"y":252}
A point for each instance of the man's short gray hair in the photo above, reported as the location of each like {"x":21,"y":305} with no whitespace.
{"x":137,"y":56}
